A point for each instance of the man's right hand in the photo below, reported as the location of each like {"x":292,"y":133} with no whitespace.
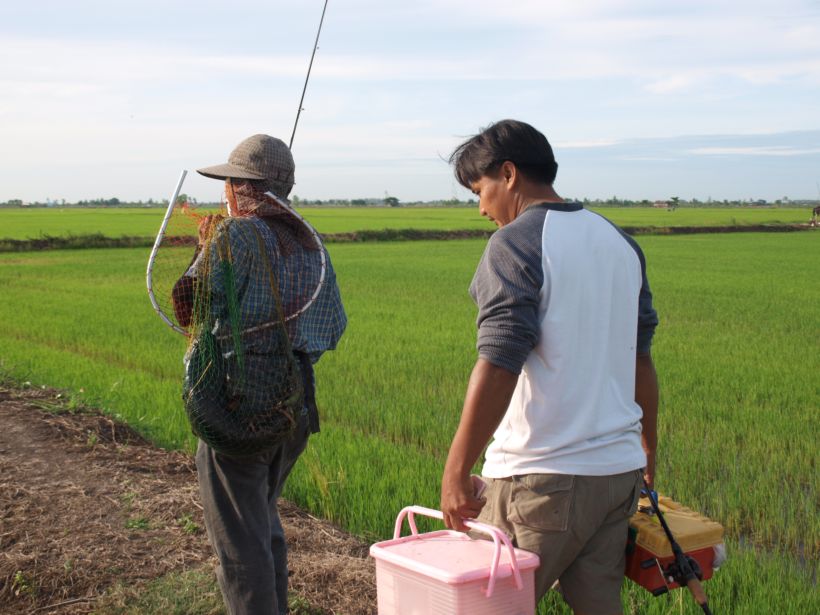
{"x":488,"y":395}
{"x":458,"y":501}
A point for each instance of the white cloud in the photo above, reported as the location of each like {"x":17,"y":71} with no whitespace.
{"x":646,"y":158}
{"x":675,"y":83}
{"x":768,"y":150}
{"x":593,"y":143}
{"x":394,"y":83}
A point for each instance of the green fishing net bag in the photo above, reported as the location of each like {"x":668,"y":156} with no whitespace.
{"x":243,"y":388}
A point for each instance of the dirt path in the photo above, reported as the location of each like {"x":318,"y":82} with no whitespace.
{"x":86,"y":503}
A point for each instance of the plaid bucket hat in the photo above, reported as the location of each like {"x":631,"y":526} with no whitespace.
{"x":263,"y":159}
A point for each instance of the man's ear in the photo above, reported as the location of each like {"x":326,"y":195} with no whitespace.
{"x":510,"y":173}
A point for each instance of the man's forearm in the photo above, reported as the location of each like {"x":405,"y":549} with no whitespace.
{"x":646,"y":396}
{"x":486,"y":401}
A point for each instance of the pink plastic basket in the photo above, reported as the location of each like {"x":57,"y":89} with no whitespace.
{"x":448,"y":573}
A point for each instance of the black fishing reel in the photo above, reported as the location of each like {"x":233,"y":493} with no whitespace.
{"x":675,"y":572}
{"x":684,"y":570}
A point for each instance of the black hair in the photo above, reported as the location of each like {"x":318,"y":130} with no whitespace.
{"x":507,"y":140}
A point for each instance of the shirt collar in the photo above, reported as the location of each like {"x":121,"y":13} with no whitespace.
{"x":567,"y":206}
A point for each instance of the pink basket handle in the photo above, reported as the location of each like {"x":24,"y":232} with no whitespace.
{"x":497,"y":535}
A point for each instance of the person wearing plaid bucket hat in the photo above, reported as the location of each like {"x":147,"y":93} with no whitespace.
{"x":264,"y":160}
{"x":240,"y":493}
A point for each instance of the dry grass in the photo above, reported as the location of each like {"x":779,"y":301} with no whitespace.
{"x":86,"y":505}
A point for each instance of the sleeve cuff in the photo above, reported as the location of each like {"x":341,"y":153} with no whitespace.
{"x":505,"y":360}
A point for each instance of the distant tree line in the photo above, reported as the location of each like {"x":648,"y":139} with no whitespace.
{"x":101,"y":202}
{"x":391,"y":201}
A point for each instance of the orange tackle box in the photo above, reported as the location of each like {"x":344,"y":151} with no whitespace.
{"x":649,"y":554}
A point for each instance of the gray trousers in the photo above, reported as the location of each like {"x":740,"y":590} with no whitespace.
{"x":239,"y":497}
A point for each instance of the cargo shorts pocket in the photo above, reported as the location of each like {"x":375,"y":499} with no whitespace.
{"x":632,"y":502}
{"x":542,"y":501}
{"x":490,"y":494}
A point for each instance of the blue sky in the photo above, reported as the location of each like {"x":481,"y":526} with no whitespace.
{"x":640,"y":99}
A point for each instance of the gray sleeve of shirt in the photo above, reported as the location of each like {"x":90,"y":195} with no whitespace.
{"x":647,"y":316}
{"x":506,"y":287}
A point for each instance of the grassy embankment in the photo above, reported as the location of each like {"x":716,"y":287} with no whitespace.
{"x":737,"y":355}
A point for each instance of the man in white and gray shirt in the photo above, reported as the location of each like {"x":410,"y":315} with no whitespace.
{"x":564,"y":383}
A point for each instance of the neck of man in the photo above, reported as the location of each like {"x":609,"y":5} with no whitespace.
{"x":531,"y":193}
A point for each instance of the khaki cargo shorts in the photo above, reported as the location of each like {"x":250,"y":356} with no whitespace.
{"x":578,"y":527}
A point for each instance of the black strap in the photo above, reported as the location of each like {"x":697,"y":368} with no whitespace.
{"x":310,"y":390}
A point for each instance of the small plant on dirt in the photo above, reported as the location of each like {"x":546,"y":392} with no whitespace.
{"x":128,"y":498}
{"x":300,"y":606}
{"x":22,"y":584}
{"x":92,"y":439}
{"x":188,"y":525}
{"x":74,"y":405}
{"x":138,"y":523}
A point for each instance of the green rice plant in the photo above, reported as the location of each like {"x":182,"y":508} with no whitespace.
{"x":736,"y":351}
{"x":144,"y":222}
{"x":59,"y":222}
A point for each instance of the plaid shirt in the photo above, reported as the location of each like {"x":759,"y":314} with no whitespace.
{"x":296,"y":269}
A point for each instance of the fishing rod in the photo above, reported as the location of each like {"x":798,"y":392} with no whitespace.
{"x":307,"y":77}
{"x":685,"y":571}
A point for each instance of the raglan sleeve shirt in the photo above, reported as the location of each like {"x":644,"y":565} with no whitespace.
{"x":507,"y":287}
{"x":647,"y":316}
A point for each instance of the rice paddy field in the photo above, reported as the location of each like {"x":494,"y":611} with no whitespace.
{"x":737,"y":352}
{"x":117,"y":222}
